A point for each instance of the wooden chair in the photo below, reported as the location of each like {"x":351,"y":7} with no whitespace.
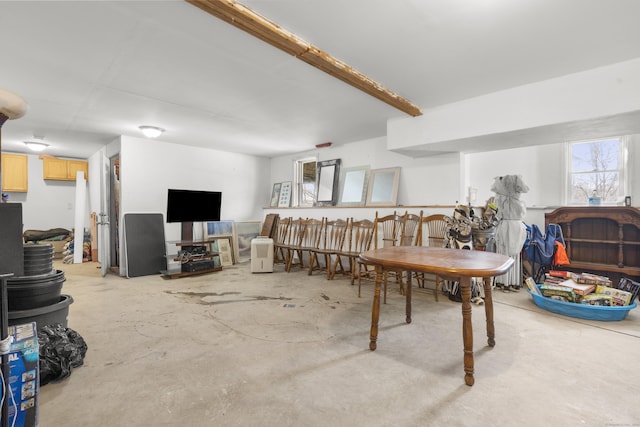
{"x":432,"y":232}
{"x":292,"y":242}
{"x":280,"y":240}
{"x":331,"y":244}
{"x":410,"y":227}
{"x":357,"y":240}
{"x":309,"y":240}
{"x":388,"y":232}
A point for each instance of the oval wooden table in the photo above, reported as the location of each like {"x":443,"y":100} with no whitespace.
{"x":451,"y":264}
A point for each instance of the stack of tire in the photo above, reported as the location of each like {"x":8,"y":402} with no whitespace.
{"x":36,"y":296}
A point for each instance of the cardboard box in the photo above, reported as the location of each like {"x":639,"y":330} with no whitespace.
{"x":578,"y":288}
{"x":24,"y":377}
{"x":558,"y":292}
{"x":618,"y":297}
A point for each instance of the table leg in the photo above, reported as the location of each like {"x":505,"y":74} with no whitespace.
{"x":467,"y":329}
{"x":375,"y":310}
{"x":408,"y":297}
{"x":488,"y":310}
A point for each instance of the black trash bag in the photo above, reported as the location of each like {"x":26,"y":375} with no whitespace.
{"x":61,"y":349}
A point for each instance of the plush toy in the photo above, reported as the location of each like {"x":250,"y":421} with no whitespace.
{"x":510,"y":231}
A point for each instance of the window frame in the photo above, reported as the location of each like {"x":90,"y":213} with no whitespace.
{"x":298,"y":174}
{"x":622,"y":169}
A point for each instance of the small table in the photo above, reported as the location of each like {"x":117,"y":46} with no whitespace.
{"x":451,"y":264}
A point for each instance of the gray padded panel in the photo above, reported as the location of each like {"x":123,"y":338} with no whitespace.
{"x":145,"y":246}
{"x":11,"y":252}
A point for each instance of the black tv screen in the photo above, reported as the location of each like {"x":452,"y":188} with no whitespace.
{"x":189,"y":205}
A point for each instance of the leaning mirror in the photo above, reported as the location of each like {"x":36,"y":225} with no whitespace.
{"x":353,"y":186}
{"x":327,"y":178}
{"x":383,"y":187}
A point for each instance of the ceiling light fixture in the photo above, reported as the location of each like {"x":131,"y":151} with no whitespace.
{"x":36,"y":146}
{"x":151,"y":131}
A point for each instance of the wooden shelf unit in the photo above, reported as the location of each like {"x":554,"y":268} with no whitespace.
{"x":209,"y":254}
{"x":601,"y":239}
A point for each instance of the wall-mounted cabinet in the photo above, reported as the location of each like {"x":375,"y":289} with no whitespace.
{"x":15,"y":173}
{"x":63,"y":169}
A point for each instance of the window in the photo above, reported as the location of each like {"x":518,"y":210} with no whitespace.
{"x":305,"y":183}
{"x":597,"y":169}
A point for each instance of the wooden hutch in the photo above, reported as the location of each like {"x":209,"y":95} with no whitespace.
{"x":602,"y":240}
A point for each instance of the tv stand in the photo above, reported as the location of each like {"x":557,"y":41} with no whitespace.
{"x":197,"y":254}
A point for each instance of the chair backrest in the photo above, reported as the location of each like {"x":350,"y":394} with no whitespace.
{"x":387,"y":230}
{"x":311,"y":233}
{"x":360,"y":234}
{"x":296,"y":232}
{"x":334,"y":234}
{"x":410,"y":226}
{"x":282,"y":230}
{"x":433,"y":230}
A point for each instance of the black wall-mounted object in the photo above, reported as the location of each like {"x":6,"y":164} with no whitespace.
{"x":190,"y":205}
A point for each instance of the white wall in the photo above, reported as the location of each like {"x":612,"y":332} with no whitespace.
{"x":148,"y":168}
{"x":504,"y":116}
{"x":443,"y":179}
{"x":415,"y":173}
{"x":48,"y":204}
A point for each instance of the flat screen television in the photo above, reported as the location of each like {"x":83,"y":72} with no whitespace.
{"x":191,"y":206}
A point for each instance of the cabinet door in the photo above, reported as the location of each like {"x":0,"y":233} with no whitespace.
{"x":74,"y":166}
{"x":15,"y":172}
{"x":54,"y":169}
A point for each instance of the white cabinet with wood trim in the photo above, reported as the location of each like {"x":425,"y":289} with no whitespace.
{"x":15,"y":173}
{"x":63,"y":169}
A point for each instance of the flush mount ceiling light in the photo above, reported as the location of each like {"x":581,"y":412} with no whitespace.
{"x":151,"y":131}
{"x":36,"y":146}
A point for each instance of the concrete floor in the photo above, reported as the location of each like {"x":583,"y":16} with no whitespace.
{"x":233,"y":348}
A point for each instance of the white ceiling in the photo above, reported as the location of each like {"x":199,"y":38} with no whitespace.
{"x":93,"y":70}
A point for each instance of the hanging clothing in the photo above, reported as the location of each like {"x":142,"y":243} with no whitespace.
{"x":511,"y":231}
{"x":560,"y":257}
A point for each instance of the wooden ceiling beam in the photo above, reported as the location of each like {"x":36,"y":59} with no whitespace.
{"x":251,"y":22}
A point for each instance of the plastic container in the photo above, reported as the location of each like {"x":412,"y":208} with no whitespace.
{"x":48,"y":315}
{"x":38,"y":259}
{"x":26,"y":292}
{"x":583,"y":311}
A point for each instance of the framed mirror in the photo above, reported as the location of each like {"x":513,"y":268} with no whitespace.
{"x":383,"y":187}
{"x":353,"y":186}
{"x":327,"y":179}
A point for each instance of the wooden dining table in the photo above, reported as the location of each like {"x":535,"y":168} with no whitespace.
{"x":450,"y":264}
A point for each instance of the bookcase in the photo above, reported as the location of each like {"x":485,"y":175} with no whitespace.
{"x":602,"y":240}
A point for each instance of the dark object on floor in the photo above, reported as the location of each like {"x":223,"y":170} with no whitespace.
{"x":37,"y":235}
{"x":61,"y":350}
{"x":145,"y":248}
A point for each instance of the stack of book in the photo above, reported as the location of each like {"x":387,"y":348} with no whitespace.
{"x":585,"y":288}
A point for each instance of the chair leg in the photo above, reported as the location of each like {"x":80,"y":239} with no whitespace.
{"x":437,"y":289}
{"x":289,"y":260}
{"x":335,"y":267}
{"x":384,"y":278}
{"x":359,"y":281}
{"x":352,"y":264}
{"x":327,"y":264}
{"x":312,"y":257}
